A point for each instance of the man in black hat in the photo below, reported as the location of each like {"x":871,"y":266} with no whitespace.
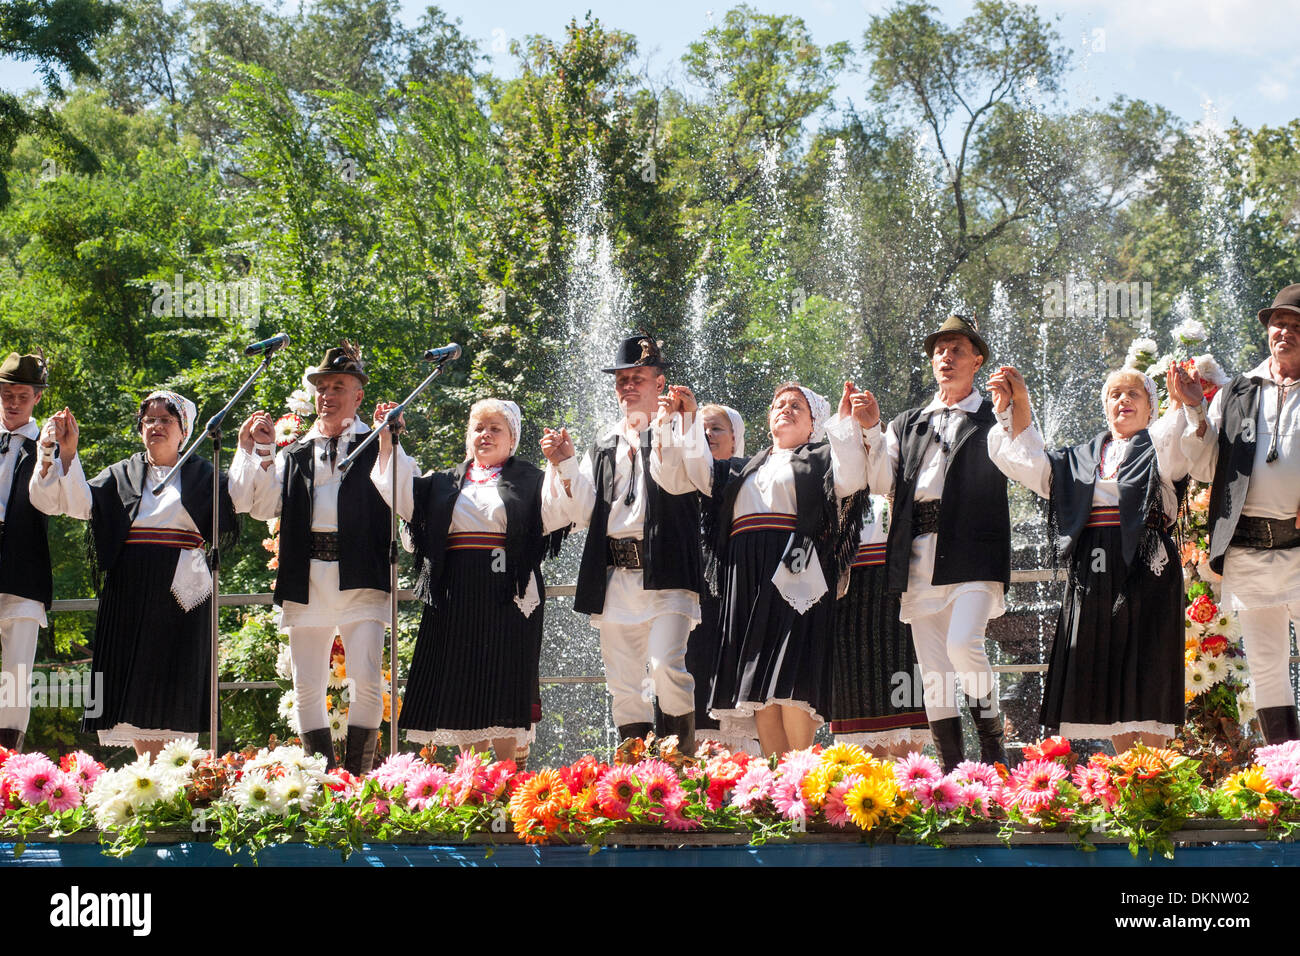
{"x":333,"y":551}
{"x":642,"y":568}
{"x":949,"y":549}
{"x":26,"y":584}
{"x":1248,"y":444}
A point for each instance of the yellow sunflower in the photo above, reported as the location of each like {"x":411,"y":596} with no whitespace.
{"x":867,"y":803}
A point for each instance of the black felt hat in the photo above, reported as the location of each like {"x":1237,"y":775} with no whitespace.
{"x":1288,"y":300}
{"x":638,"y":351}
{"x":25,"y":370}
{"x":959,"y":325}
{"x":342,"y":360}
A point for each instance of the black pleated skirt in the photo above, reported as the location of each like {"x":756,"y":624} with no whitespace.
{"x":1117,"y":656}
{"x":769,"y":651}
{"x":154,"y":657}
{"x":702,"y":657}
{"x":874,"y":661}
{"x":476,"y":657}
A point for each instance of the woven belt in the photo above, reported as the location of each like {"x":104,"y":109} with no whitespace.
{"x":625,"y":553}
{"x":925,"y":518}
{"x":475,"y":541}
{"x":324,"y":546}
{"x":1272,"y":534}
{"x":869,"y":555}
{"x":168,"y":537}
{"x":1103,"y":518}
{"x":762,"y":522}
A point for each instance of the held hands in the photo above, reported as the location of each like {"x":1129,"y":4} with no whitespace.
{"x":257,"y":429}
{"x":1007,"y":386}
{"x":678,"y":398}
{"x":61,"y":428}
{"x":557,"y":446}
{"x":386,"y":434}
{"x":1185,"y":386}
{"x":859,"y":404}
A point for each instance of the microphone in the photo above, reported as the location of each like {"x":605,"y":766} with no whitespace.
{"x":444,"y":354}
{"x":273,"y":344}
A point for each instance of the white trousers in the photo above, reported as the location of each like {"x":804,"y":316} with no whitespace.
{"x":950,"y":644}
{"x":659,"y":645}
{"x":17,"y":656}
{"x":1267,"y":642}
{"x":363,"y":645}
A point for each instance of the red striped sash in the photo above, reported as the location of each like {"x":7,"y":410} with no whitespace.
{"x":1103,"y":518}
{"x":869,"y":555}
{"x":475,"y":540}
{"x":168,"y":537}
{"x":762,"y":522}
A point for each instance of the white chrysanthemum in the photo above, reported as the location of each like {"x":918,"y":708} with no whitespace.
{"x":284,"y":663}
{"x":1190,"y":331}
{"x":114,"y":813}
{"x":1239,"y":667}
{"x":295,"y":789}
{"x":142,"y":786}
{"x":338,"y":722}
{"x":107,"y":788}
{"x":288,"y":710}
{"x":1141,"y":353}
{"x":253,"y":792}
{"x":300,"y":402}
{"x":180,"y":756}
{"x":1197,"y":680}
{"x":1215,"y":670}
{"x":1211,"y":370}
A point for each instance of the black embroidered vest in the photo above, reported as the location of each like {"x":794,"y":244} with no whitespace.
{"x":25,"y":543}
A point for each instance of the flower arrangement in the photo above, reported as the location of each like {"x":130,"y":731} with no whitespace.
{"x":1217,"y":688}
{"x":250,"y":800}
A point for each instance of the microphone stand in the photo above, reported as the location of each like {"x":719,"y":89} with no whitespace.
{"x":391,"y":423}
{"x":213,"y":431}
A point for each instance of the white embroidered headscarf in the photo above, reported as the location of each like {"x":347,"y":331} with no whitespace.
{"x":737,"y":431}
{"x":496,"y":406}
{"x":182,"y":405}
{"x":817,"y":405}
{"x":1146,"y":382}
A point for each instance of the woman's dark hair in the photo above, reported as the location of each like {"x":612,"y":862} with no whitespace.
{"x":171,"y":410}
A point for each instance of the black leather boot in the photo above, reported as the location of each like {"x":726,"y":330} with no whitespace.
{"x":11,"y":738}
{"x":319,"y":742}
{"x":947,"y":740}
{"x":684,"y":728}
{"x":1277,"y":724}
{"x":989,"y":726}
{"x":362,"y":744}
{"x":631,"y":731}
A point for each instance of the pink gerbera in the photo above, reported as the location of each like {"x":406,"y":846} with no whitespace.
{"x":943,"y":794}
{"x":497,"y":777}
{"x":423,"y":786}
{"x":82,"y":766}
{"x":32,"y":774}
{"x":752,"y":788}
{"x":1034,"y":784}
{"x":61,"y":792}
{"x":397,"y":769}
{"x":1095,"y":785}
{"x":615,"y":790}
{"x":976,"y":797}
{"x":970,"y":770}
{"x":675,"y":819}
{"x":837,"y":814}
{"x":916,"y":769}
{"x":788,"y":797}
{"x":659,"y":782}
{"x":796,"y":764}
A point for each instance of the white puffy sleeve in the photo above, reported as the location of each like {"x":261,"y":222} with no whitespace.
{"x":1023,"y":459}
{"x":255,"y":490}
{"x":680,"y":460}
{"x":848,"y":455}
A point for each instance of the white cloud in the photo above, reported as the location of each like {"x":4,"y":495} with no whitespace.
{"x":1192,"y":26}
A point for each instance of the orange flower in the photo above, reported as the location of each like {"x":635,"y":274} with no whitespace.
{"x":539,"y":802}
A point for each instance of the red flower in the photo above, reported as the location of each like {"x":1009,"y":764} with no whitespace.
{"x":1203,"y":610}
{"x":1214,"y":644}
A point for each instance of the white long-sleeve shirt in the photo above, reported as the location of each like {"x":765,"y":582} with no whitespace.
{"x":626,"y":599}
{"x":921,"y":597}
{"x":1256,"y":577}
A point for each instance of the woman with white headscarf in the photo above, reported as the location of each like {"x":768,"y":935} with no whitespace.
{"x":152,"y":644}
{"x":480,"y":532}
{"x":1116,"y":667}
{"x":781,"y":534}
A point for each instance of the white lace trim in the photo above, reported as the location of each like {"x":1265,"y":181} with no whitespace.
{"x":464,"y":738}
{"x":1106,"y":731}
{"x":747,"y":708}
{"x":125,"y":735}
{"x":887,"y":738}
{"x":801,"y":590}
{"x":192,"y":582}
{"x":528,"y":603}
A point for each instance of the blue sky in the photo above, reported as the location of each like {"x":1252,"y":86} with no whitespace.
{"x":1237,"y":56}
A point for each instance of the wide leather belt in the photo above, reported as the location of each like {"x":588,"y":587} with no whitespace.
{"x":1272,"y":534}
{"x":925,"y":518}
{"x":324,"y":546}
{"x":625,"y":553}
